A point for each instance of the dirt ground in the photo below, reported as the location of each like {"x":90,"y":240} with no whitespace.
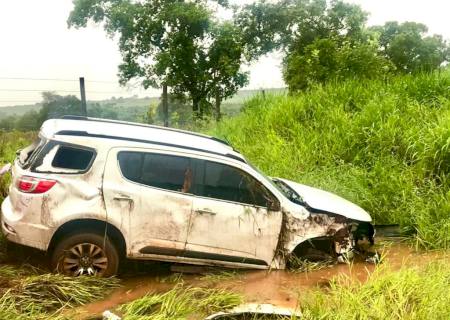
{"x":278,"y":287}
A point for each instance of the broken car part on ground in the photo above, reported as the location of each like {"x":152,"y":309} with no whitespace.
{"x":91,"y":192}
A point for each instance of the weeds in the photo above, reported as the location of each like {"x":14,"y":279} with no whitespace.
{"x":180,"y":303}
{"x":220,"y":276}
{"x":28,"y":293}
{"x":411,"y":293}
{"x":298,"y":264}
{"x":384,"y":147}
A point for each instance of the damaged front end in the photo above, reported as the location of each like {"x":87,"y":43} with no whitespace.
{"x":323,"y":226}
{"x":324,"y":236}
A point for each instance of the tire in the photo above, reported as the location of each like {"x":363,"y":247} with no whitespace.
{"x":86,"y":253}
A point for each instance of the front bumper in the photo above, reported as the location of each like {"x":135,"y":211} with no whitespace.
{"x":16,"y":228}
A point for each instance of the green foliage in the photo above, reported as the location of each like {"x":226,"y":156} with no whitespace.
{"x":177,"y":43}
{"x":324,"y":41}
{"x":26,"y":293}
{"x":10,"y":142}
{"x":181,"y":303}
{"x":52,"y":106}
{"x":411,"y":293}
{"x":333,"y":59}
{"x":55,"y":106}
{"x":381,"y":145}
{"x":410,"y":49}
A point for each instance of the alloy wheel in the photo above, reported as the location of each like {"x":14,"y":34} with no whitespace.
{"x":85,"y":259}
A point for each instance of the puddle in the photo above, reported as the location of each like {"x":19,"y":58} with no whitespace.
{"x":278,"y":287}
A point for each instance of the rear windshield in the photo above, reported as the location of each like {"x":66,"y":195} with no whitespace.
{"x":27,"y":154}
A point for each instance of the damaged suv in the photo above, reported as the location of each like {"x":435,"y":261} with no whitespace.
{"x":91,"y":192}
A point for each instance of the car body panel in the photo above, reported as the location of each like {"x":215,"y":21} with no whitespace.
{"x":328,"y":202}
{"x":153,"y":217}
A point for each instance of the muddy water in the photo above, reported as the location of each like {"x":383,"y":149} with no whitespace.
{"x":278,"y":287}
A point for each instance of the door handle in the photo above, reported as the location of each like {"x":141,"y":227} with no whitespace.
{"x":205,"y":211}
{"x":122,"y":197}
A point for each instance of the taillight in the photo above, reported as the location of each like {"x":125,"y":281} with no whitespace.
{"x":34,"y":185}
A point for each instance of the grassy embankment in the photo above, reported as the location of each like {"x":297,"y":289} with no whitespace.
{"x":384,"y":146}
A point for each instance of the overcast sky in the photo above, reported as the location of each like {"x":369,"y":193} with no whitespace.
{"x":35,"y":43}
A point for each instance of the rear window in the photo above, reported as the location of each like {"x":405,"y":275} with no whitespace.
{"x":58,"y":157}
{"x":28,"y":153}
{"x":72,"y":158}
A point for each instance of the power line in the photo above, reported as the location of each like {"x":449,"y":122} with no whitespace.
{"x":19,"y":101}
{"x":65,"y":91}
{"x":35,"y":90}
{"x":55,"y":79}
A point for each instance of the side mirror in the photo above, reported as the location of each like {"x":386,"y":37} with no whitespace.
{"x":273,"y":204}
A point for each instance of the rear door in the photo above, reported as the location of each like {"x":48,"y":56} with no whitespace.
{"x":231,"y":221}
{"x":146,"y":193}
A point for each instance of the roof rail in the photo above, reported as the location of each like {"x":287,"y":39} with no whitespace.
{"x":86,"y":134}
{"x":84,"y":118}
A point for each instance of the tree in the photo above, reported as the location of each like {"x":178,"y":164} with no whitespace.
{"x":333,"y":59}
{"x":321,"y":40}
{"x":410,"y":49}
{"x":173,"y":42}
{"x":56,"y":106}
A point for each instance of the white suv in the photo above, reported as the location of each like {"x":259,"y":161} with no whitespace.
{"x":91,"y":191}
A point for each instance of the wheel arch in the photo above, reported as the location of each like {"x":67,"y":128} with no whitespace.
{"x":93,"y":225}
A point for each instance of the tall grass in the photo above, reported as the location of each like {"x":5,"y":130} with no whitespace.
{"x":26,"y":292}
{"x":409,"y":294}
{"x":181,"y":303}
{"x":10,"y":142}
{"x":384,"y":146}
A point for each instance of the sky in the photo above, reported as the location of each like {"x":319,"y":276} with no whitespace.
{"x":36,"y":43}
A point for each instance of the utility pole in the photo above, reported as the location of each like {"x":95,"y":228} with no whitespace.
{"x":83,"y":97}
{"x":165,"y":103}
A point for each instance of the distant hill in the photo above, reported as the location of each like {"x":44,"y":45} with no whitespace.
{"x":230,"y":106}
{"x":18,"y":110}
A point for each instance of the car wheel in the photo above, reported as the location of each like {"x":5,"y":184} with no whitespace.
{"x":85,"y":254}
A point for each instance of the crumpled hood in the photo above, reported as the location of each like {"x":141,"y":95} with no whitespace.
{"x":329,"y":202}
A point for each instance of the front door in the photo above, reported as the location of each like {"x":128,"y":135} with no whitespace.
{"x":230,"y":219}
{"x":145,"y":194}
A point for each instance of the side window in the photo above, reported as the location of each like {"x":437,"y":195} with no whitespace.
{"x":157,"y":170}
{"x":72,"y":158}
{"x":131,"y":165}
{"x":228,"y":183}
{"x":57,"y":157}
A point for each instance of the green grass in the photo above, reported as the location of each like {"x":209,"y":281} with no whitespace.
{"x":413,"y":293}
{"x":26,"y":292}
{"x":384,"y":146}
{"x":10,"y":142}
{"x":180,"y":303}
{"x":217,"y":277}
{"x":298,"y":264}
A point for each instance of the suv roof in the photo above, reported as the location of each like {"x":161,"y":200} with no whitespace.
{"x":121,"y":130}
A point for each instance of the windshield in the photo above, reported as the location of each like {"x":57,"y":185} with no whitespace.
{"x":287,"y":191}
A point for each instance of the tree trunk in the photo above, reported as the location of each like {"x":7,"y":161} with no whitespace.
{"x":217,"y":107}
{"x":195,"y":108}
{"x":165,"y":103}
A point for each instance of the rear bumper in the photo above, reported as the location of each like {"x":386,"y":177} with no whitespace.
{"x":17,"y":229}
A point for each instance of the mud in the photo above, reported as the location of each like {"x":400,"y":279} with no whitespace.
{"x":279,"y":287}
